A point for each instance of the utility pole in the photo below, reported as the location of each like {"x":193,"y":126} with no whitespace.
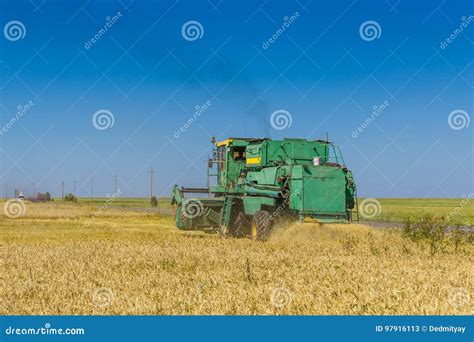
{"x":74,"y":188}
{"x":208,"y":177}
{"x":62,"y":191}
{"x":115,"y":184}
{"x":151,"y":172}
{"x":34,"y":190}
{"x":6,"y":191}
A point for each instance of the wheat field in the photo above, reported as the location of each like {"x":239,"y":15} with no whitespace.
{"x":61,"y":259}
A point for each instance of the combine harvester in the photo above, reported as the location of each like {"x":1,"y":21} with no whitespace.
{"x":263,"y":180}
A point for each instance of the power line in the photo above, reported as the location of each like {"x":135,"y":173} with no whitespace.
{"x":151,"y":172}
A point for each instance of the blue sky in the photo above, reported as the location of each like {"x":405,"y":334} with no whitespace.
{"x":323,"y":69}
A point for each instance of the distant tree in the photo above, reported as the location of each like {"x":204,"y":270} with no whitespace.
{"x":47,"y":196}
{"x":154,"y":201}
{"x":70,"y":198}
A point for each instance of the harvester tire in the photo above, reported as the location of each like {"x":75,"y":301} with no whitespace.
{"x":261,"y":225}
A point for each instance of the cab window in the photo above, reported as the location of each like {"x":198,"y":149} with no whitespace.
{"x":238,"y":154}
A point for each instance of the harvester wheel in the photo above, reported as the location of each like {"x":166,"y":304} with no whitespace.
{"x":261,"y":225}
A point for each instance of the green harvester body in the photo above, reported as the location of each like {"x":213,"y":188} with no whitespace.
{"x":260,"y":181}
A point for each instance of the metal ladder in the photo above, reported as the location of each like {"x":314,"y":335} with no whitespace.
{"x":338,"y":155}
{"x":225,"y":216}
{"x":356,"y":207}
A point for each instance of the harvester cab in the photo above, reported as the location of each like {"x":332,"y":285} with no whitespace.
{"x":259,"y":181}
